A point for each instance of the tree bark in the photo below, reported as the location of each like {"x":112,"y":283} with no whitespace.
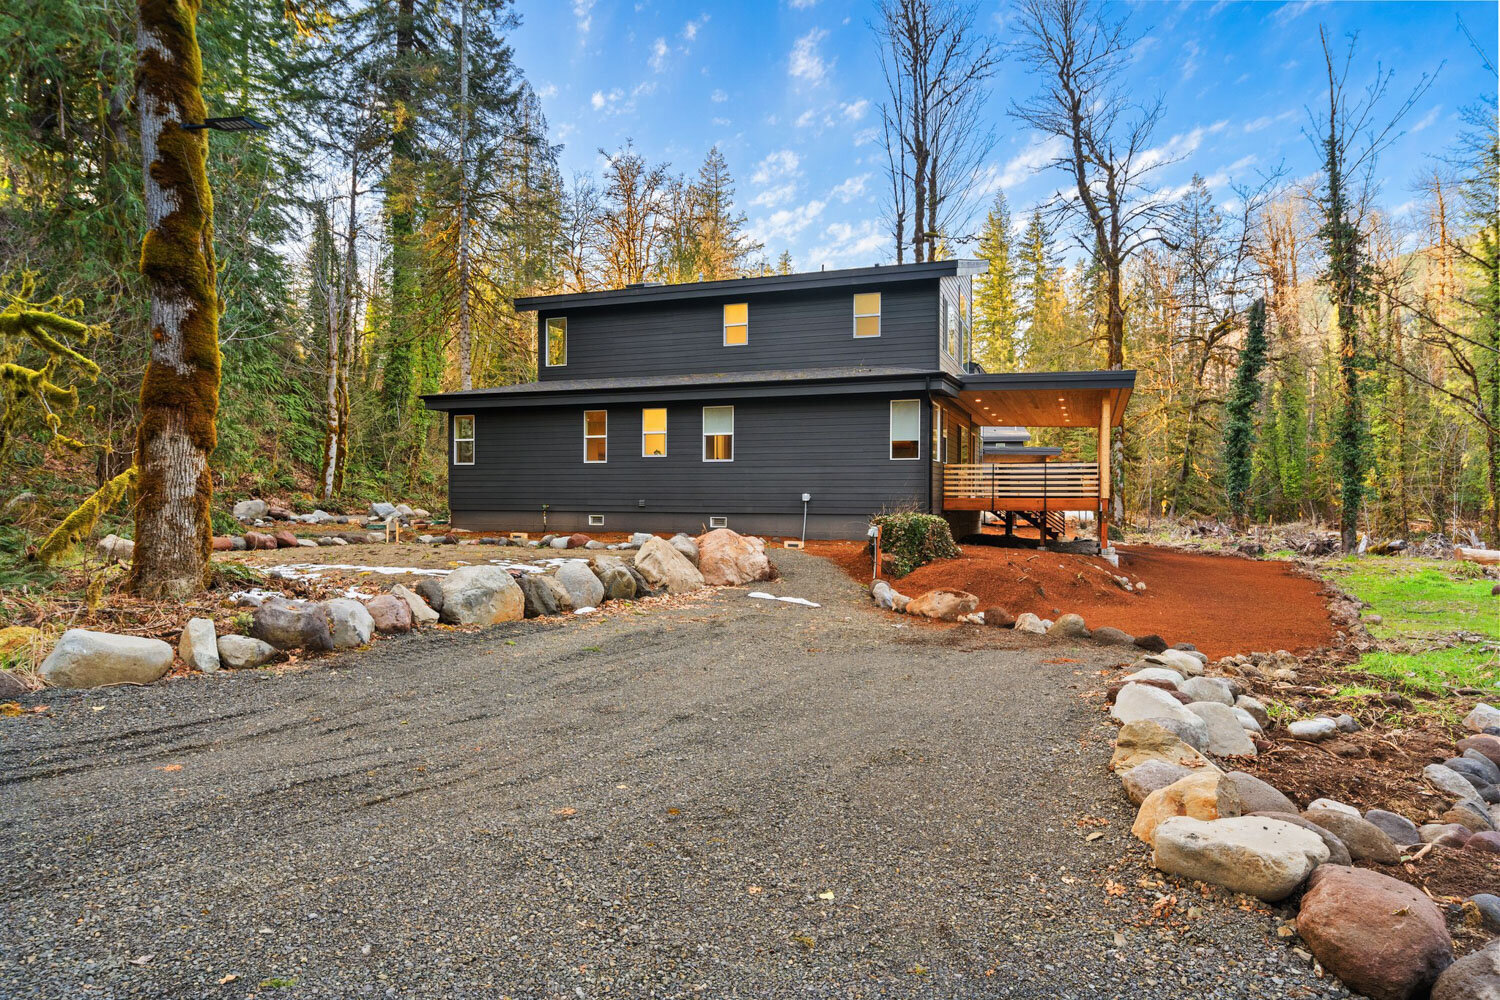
{"x":180,"y":391}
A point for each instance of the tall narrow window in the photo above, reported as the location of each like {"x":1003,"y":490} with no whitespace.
{"x":463,"y":440}
{"x":654,"y":433}
{"x":557,"y":341}
{"x":867,"y":314}
{"x":718,"y":434}
{"x":937,"y":430}
{"x":595,"y":435}
{"x":736,"y":324}
{"x":950,"y":329}
{"x":906,"y":428}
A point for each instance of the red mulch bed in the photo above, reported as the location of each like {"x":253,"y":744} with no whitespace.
{"x":1221,"y":604}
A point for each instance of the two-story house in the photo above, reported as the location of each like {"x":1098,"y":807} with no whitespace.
{"x":739,"y":403}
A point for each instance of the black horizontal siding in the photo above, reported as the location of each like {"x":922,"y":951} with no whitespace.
{"x":837,"y":449}
{"x":787,"y":330}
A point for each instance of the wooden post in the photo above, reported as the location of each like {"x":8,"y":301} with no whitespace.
{"x":1105,"y":419}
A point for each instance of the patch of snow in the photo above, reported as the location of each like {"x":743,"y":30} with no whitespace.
{"x":584,"y":611}
{"x":311,"y":571}
{"x":789,"y":600}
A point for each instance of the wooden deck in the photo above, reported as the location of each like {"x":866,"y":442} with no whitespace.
{"x":1039,"y":486}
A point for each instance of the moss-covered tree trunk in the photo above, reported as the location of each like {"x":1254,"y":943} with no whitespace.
{"x":180,"y":392}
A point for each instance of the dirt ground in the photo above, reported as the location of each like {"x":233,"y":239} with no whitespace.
{"x":1222,"y":604}
{"x":726,"y":797}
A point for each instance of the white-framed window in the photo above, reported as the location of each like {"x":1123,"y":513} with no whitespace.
{"x":557,"y":341}
{"x":596,"y":520}
{"x":595,"y":436}
{"x":718,"y":434}
{"x":950,"y":329}
{"x":937,"y":432}
{"x":463,"y":439}
{"x":736,"y":324}
{"x":906,"y":429}
{"x":654,"y":432}
{"x":867,"y":314}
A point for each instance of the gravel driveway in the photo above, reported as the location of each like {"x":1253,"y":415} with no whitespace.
{"x":737,"y":798}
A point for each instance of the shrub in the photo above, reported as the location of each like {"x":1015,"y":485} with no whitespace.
{"x":913,"y":540}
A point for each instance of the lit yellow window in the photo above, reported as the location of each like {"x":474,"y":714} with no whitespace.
{"x":867,"y":314}
{"x":736,"y":324}
{"x":557,"y":341}
{"x":595,"y":435}
{"x":654,"y":433}
{"x":906,"y":428}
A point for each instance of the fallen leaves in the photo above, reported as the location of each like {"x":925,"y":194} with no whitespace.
{"x":169,"y":768}
{"x":565,"y":811}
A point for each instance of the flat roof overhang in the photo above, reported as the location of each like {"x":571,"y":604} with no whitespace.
{"x":1046,"y":399}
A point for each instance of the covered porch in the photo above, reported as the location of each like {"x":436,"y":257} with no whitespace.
{"x":1028,"y":483}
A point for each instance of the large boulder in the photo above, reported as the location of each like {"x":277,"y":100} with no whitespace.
{"x":1109,"y":635}
{"x":665,"y":568}
{"x":380,"y":511}
{"x":250,"y":510}
{"x":583,"y":587}
{"x":1148,"y":776}
{"x":1255,"y":709}
{"x":292,"y":626}
{"x":198,"y":646}
{"x":1476,"y":976}
{"x":1365,"y":840}
{"x":349,"y":622}
{"x":1205,"y":795}
{"x":1069,"y":626}
{"x":83,"y":658}
{"x":1142,"y":701}
{"x":1258,"y":796}
{"x":1226,"y":737}
{"x":390,"y":613}
{"x":421,"y":612}
{"x":1027,"y":622}
{"x":1338,"y":853}
{"x":259,"y":540}
{"x":1402,"y":831}
{"x":1184,"y":663}
{"x":239,"y":652}
{"x":1160,"y":676}
{"x":884,"y":597}
{"x":943,"y":604}
{"x":1382,"y":937}
{"x":687,"y":546}
{"x":1482,"y":718}
{"x":1447,"y":780}
{"x":1263,"y":857}
{"x":481,"y":595}
{"x":1144,"y":739}
{"x":729,"y":559}
{"x":1313,"y":730}
{"x":1484,"y":744}
{"x":618,"y":583}
{"x":430,"y":589}
{"x":544,"y":595}
{"x":1208,"y":689}
{"x":113,"y":549}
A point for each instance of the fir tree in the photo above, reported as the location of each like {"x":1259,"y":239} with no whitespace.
{"x":1239,"y":433}
{"x":995,"y":307}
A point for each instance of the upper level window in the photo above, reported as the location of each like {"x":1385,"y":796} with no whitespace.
{"x":736,"y":324}
{"x":654,"y":433}
{"x":950,"y":329}
{"x":718,"y":434}
{"x":557,"y":341}
{"x":463,"y":440}
{"x":595,"y":435}
{"x":867,"y":314}
{"x":906,"y":428}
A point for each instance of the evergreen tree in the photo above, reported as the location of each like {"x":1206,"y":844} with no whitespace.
{"x":1239,"y":433}
{"x":995,"y":301}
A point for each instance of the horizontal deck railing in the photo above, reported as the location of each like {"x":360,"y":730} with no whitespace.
{"x":1042,"y":480}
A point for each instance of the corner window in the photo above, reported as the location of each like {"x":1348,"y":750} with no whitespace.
{"x":718,"y":434}
{"x":906,"y":428}
{"x":950,"y":330}
{"x":463,"y":440}
{"x":736,"y":324}
{"x":654,"y":433}
{"x":595,"y":435}
{"x":557,"y":341}
{"x":867,"y":314}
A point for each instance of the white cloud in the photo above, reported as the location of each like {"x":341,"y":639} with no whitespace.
{"x":1428,"y":119}
{"x":866,"y":136}
{"x":1180,"y":145}
{"x":806,"y":118}
{"x":690,"y":30}
{"x":806,"y":62}
{"x":801,"y":4}
{"x":773,"y":196}
{"x":1190,"y":59}
{"x":721,"y":122}
{"x":1019,"y":168}
{"x":547,"y":90}
{"x":782,"y":163}
{"x":855,"y":110}
{"x":781,"y":226}
{"x":850,"y":188}
{"x":1289,"y":12}
{"x":614,"y":102}
{"x":718,"y":97}
{"x":845,"y":244}
{"x":583,"y":13}
{"x":1266,"y":121}
{"x":658,"y":61}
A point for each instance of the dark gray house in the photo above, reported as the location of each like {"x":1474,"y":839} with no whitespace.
{"x":730,"y":403}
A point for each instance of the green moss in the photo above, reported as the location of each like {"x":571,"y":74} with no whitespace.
{"x":79,"y":525}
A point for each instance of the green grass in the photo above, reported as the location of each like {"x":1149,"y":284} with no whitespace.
{"x":1427,"y":603}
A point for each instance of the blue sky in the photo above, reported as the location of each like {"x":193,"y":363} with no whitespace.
{"x":790,"y":90}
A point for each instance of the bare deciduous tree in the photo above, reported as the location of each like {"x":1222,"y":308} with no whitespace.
{"x":936,"y":64}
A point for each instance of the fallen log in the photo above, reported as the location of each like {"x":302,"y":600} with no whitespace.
{"x":1489,"y":557}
